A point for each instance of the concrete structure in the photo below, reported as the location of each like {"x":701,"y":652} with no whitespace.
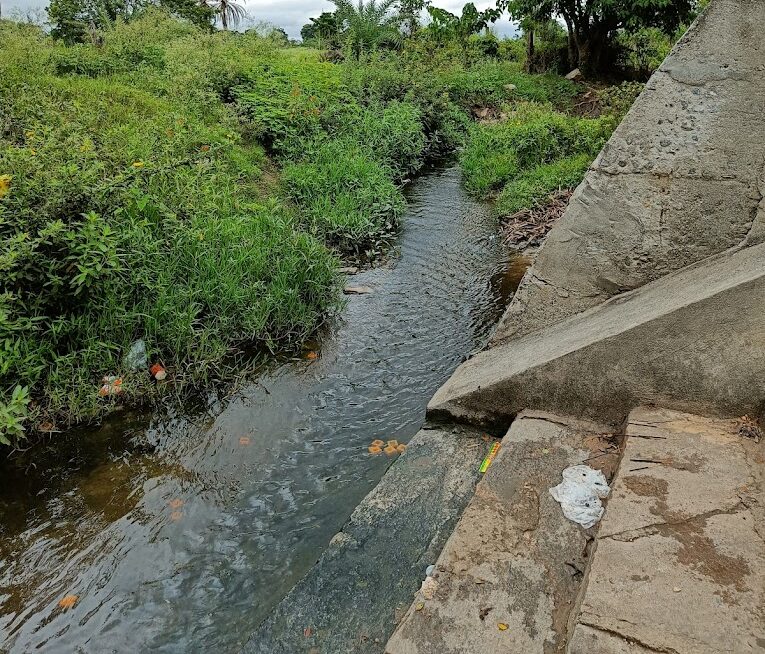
{"x":692,"y":340}
{"x":513,"y":560}
{"x":679,"y":561}
{"x":680,"y":180}
{"x":352,"y":599}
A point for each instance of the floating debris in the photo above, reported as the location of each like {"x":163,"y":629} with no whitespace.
{"x":68,"y":601}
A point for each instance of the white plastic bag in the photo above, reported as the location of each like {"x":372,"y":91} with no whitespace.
{"x":579,"y":495}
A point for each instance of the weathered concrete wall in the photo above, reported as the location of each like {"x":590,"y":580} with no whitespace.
{"x":693,"y":340}
{"x":681,"y":179}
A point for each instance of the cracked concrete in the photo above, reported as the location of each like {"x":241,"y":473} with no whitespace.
{"x":680,"y":180}
{"x":679,"y":561}
{"x":513,"y":559}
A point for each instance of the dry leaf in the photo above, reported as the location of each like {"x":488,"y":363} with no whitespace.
{"x":502,"y":626}
{"x":68,"y":602}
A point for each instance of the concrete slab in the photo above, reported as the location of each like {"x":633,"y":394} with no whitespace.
{"x":352,"y":599}
{"x":691,"y":340}
{"x":680,"y":180}
{"x":513,"y":558}
{"x":679,"y":563}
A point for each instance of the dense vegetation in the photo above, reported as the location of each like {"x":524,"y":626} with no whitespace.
{"x":197,"y":189}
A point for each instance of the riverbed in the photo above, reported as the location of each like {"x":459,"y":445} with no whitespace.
{"x":178,"y":530}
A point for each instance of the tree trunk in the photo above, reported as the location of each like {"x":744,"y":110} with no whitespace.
{"x":529,"y":49}
{"x":223,"y":17}
{"x":573,"y":57}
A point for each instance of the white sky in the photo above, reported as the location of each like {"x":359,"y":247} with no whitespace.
{"x":290,"y":14}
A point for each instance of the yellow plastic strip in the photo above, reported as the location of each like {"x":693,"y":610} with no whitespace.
{"x":489,"y":458}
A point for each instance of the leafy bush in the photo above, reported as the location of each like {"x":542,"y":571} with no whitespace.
{"x":531,"y":136}
{"x":346,"y":197}
{"x":486,"y":84}
{"x":616,"y":101}
{"x":125,"y":213}
{"x":536,"y":184}
{"x":640,"y":52}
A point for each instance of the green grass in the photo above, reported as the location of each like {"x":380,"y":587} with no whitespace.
{"x":533,"y":135}
{"x":535,"y":185}
{"x":134,"y":201}
{"x":132,"y":211}
{"x":346,"y":197}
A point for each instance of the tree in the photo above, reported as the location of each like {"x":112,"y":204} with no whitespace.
{"x":592,"y":23}
{"x":447,"y":26}
{"x":410,"y":12}
{"x":326,"y":28}
{"x":77,"y":21}
{"x":368,"y":25}
{"x":230,"y":12}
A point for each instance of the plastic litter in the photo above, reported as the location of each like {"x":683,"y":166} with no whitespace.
{"x":136,"y":357}
{"x":429,"y":570}
{"x":158,"y":372}
{"x":579,"y":495}
{"x":111,"y":386}
{"x":489,"y":458}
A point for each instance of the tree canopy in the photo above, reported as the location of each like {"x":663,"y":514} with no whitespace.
{"x":591,"y":23}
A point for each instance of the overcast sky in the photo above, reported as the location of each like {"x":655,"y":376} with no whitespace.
{"x":290,"y":14}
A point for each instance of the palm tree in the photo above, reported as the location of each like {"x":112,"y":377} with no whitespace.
{"x":230,"y":12}
{"x":368,"y":25}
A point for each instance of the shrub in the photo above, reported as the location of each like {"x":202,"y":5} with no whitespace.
{"x":345,"y":196}
{"x":125,"y":213}
{"x":531,"y":136}
{"x":533,"y":186}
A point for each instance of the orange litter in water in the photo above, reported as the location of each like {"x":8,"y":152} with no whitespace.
{"x":68,"y":602}
{"x":390,"y":450}
{"x":401,"y":448}
{"x":377,"y":443}
{"x":244,"y":440}
{"x":311,"y":356}
{"x":393,"y":443}
{"x":175,"y":516}
{"x":374,"y":449}
{"x":176,"y":503}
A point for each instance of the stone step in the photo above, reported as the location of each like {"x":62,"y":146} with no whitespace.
{"x":679,"y":562}
{"x":509,"y":575}
{"x":689,"y":341}
{"x":352,"y":599}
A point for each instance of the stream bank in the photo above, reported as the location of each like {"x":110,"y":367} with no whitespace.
{"x":180,"y":532}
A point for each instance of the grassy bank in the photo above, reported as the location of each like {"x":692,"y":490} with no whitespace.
{"x":138,"y":198}
{"x":539,"y":149}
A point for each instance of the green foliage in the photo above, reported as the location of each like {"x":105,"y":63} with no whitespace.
{"x":486,"y":84}
{"x":616,"y":100}
{"x":368,"y":24}
{"x":642,"y":51}
{"x":535,"y":185}
{"x":531,"y":136}
{"x":13,"y":414}
{"x":594,"y":24}
{"x":127,"y":211}
{"x":347,"y":197}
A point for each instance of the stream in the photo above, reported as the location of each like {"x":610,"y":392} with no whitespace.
{"x":179,"y":531}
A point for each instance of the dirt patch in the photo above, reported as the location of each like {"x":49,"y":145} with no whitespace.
{"x":698,"y":552}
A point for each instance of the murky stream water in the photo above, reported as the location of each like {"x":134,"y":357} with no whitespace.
{"x":179,"y":532}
